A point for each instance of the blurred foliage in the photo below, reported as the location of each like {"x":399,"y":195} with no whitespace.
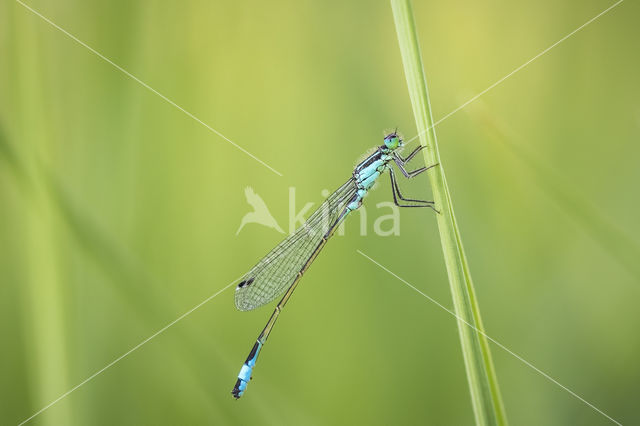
{"x":119,"y":212}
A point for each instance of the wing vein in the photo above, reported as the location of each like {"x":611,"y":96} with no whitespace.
{"x":277,"y":271}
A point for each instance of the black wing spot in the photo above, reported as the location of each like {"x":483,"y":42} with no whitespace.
{"x":246,"y":283}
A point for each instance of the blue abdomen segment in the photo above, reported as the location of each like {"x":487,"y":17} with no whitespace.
{"x":245,"y":372}
{"x":357,"y":200}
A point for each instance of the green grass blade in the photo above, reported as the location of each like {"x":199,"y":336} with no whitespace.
{"x":483,"y":384}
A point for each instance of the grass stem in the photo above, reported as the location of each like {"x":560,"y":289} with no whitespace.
{"x":483,"y":385}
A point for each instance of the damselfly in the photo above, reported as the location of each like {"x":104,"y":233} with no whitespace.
{"x":281,"y":269}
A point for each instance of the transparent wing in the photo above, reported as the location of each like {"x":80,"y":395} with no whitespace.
{"x":280,"y":267}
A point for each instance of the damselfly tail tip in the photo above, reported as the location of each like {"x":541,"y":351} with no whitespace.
{"x":238,"y":389}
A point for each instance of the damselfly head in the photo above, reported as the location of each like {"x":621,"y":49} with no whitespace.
{"x":393,"y":140}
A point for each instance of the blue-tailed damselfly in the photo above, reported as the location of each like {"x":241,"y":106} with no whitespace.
{"x":281,"y":269}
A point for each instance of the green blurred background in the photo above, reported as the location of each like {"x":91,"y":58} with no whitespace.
{"x":119,"y":213}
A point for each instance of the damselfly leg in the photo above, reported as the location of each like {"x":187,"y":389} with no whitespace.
{"x":395,"y":189}
{"x":413,"y":154}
